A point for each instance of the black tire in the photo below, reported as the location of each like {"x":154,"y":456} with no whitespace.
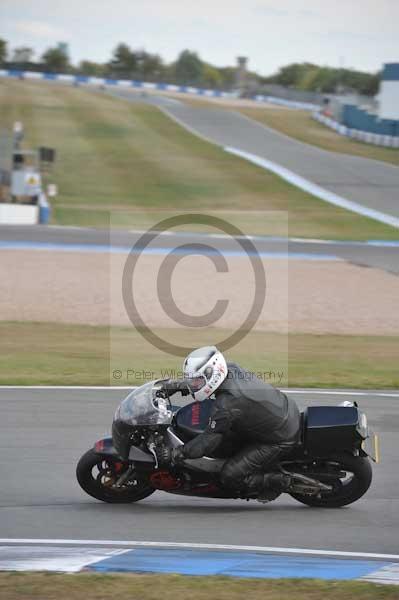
{"x":100,"y":486}
{"x":349,"y":491}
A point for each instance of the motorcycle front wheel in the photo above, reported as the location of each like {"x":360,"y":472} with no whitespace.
{"x":348,"y":489}
{"x":97,"y":476}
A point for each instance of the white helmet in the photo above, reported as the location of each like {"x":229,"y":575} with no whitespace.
{"x":206,"y":369}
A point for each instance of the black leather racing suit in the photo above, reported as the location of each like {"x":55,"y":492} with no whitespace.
{"x":264,"y":421}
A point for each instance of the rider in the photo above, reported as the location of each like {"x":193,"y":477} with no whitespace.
{"x":264,"y":420}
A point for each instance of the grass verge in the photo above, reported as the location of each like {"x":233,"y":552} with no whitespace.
{"x":54,"y":354}
{"x":119,"y":157}
{"x":48,"y":586}
{"x":300,"y":125}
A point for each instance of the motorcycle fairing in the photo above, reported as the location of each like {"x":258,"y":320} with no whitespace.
{"x":105,"y":447}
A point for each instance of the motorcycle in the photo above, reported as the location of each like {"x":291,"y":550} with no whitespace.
{"x":331,"y":462}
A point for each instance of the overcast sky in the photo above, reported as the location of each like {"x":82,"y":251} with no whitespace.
{"x":356,"y":33}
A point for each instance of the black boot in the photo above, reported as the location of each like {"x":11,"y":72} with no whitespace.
{"x":274,"y":484}
{"x":266,"y":487}
{"x":278,"y":482}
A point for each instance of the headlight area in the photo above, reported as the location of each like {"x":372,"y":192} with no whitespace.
{"x":362,"y":427}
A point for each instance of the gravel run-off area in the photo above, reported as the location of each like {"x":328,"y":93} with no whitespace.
{"x":329,"y":296}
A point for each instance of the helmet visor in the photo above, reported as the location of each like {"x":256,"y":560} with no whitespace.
{"x":196,"y":383}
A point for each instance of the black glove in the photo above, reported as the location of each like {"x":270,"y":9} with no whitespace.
{"x":169,"y":456}
{"x":163,"y":455}
{"x":178,"y":456}
{"x":172,"y":386}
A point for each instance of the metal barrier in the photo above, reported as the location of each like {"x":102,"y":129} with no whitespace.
{"x":388,"y":141}
{"x":163,"y":87}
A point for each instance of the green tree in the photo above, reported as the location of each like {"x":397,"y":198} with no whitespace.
{"x":151,"y":66}
{"x":290,"y":75}
{"x":306,"y":76}
{"x":326,"y":80}
{"x":229,"y":76}
{"x":188,"y":68}
{"x":308,"y":79}
{"x":56,"y":60}
{"x":124,"y":61}
{"x":3,"y":51}
{"x":372,"y":85}
{"x":211,"y":77}
{"x":87,"y":67}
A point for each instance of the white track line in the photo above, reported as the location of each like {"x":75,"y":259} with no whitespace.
{"x":68,"y":560}
{"x":293,"y":178}
{"x":111,"y":388}
{"x":343,"y":393}
{"x":193,"y":546}
{"x":314,"y":189}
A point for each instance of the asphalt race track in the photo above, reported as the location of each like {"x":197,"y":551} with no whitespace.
{"x":371,"y":183}
{"x":43,"y":433}
{"x":384,"y":255}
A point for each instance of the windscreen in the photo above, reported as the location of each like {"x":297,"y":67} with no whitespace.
{"x":142,"y":407}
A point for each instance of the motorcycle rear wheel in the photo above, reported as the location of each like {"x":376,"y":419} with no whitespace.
{"x":97,"y":474}
{"x":348,"y":491}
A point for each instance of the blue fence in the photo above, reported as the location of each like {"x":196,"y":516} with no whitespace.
{"x":357,"y":118}
{"x":183,"y":89}
{"x":86,"y":79}
{"x":378,"y":139}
